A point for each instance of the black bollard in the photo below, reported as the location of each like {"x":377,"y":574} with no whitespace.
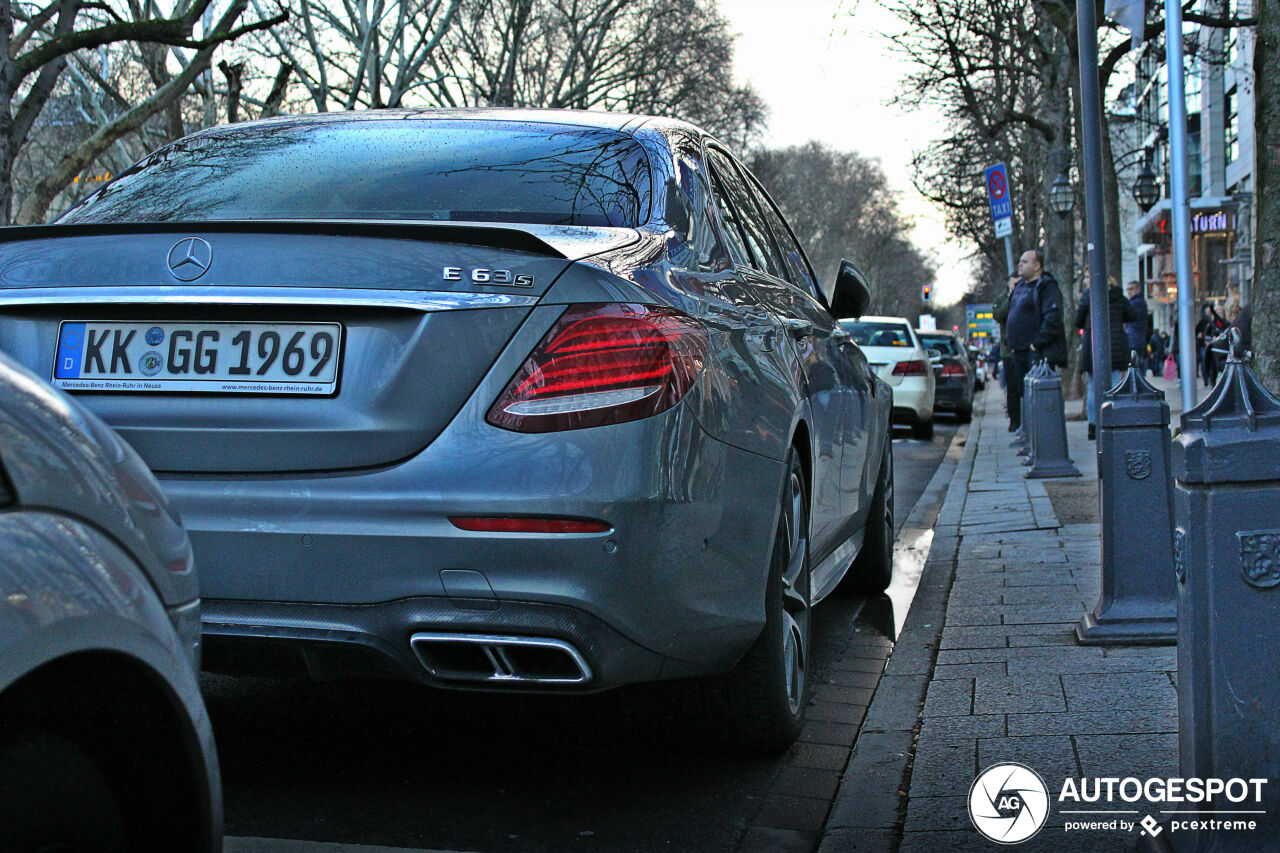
{"x":1139,"y":604}
{"x":1034,"y":375}
{"x":1227,"y":565}
{"x":1049,"y":437}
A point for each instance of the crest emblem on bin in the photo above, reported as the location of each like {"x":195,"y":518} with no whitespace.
{"x":1260,"y":557}
{"x":1137,"y":464}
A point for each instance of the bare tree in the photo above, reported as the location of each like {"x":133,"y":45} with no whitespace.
{"x":361,"y":53}
{"x":841,"y":206}
{"x":669,"y":57}
{"x":37,"y":41}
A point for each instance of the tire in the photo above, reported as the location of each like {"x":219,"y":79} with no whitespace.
{"x":53,"y":797}
{"x":872,"y":570}
{"x":923,"y":429}
{"x":965,"y":415}
{"x":766,"y":693}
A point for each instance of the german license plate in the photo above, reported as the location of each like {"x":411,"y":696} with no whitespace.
{"x":241,"y":358}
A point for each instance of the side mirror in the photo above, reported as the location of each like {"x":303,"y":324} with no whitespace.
{"x":933,"y":354}
{"x":852,"y":296}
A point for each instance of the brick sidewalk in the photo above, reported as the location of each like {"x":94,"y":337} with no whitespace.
{"x":1009,"y":682}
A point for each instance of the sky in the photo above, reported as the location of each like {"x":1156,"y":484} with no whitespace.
{"x":827,"y":73}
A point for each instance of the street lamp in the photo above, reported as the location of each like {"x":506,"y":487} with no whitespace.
{"x":1146,"y":192}
{"x":1061,"y":195}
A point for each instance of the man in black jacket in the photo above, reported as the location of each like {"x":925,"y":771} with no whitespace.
{"x":1033,"y":325}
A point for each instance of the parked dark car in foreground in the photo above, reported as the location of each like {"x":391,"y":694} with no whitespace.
{"x":104,"y":740}
{"x":488,"y":400}
{"x":954,"y":373}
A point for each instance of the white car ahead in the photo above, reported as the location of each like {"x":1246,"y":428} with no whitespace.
{"x":895,"y":353}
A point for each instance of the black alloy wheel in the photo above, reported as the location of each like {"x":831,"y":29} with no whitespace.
{"x":767,"y":691}
{"x":923,"y":429}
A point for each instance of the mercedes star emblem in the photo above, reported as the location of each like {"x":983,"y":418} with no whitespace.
{"x":190,"y":258}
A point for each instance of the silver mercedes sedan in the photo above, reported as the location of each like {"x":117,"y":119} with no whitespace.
{"x":508,"y":400}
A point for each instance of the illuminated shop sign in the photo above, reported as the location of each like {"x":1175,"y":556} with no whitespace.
{"x":1205,"y":221}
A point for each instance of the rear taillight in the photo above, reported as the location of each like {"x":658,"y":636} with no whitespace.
{"x":910,"y":368}
{"x":603,"y":364}
{"x":954,"y":370}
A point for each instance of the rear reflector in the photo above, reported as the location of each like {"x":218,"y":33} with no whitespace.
{"x":954,"y":370}
{"x":910,"y":368}
{"x":603,"y":364}
{"x":487,"y":524}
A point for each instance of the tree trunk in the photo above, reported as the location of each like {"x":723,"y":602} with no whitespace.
{"x":271,"y":107}
{"x":7,"y":86}
{"x":1266,"y":268}
{"x":234,"y":74}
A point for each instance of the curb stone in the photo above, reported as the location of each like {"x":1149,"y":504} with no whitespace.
{"x":869,"y":809}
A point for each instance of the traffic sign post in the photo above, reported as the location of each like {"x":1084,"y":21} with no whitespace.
{"x":1001,"y":209}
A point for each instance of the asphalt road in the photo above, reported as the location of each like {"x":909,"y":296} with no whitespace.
{"x":375,"y":763}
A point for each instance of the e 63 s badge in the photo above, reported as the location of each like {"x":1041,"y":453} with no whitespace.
{"x":484,"y":275}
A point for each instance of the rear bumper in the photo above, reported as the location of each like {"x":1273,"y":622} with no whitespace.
{"x":334,"y":641}
{"x":912,"y":400}
{"x":948,"y":397}
{"x":339,"y":571}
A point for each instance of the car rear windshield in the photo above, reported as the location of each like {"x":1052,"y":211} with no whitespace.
{"x":487,"y":171}
{"x":944,"y":344}
{"x":872,"y":334}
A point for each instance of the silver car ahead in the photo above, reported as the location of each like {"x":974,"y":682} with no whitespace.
{"x":104,"y":741}
{"x":489,"y":400}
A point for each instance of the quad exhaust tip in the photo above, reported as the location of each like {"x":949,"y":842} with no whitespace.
{"x":500,"y":660}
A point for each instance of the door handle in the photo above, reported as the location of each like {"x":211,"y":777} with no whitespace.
{"x":798,"y":328}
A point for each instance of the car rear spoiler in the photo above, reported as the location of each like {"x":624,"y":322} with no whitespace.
{"x":493,"y":236}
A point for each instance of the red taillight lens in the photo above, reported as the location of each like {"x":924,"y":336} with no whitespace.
{"x":603,"y":364}
{"x":910,"y":368}
{"x":954,"y":370}
{"x":502,"y":524}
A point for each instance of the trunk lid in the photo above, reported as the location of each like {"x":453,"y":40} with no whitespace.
{"x":421,"y":321}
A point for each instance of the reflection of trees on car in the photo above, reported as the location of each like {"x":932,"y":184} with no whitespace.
{"x":291,"y":170}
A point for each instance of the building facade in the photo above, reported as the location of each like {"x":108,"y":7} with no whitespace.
{"x":1220,"y":123}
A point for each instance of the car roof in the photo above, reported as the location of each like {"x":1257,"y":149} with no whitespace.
{"x":875,"y":319}
{"x":935,"y":332}
{"x":576,"y":118}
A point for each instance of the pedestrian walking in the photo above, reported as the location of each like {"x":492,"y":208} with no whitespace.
{"x":1032,"y":316}
{"x":1139,"y":328}
{"x":1156,"y":344}
{"x":999,"y":310}
{"x":1120,"y":312}
{"x":1209,"y":327}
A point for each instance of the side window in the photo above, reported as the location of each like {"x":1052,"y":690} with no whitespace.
{"x":753,"y":227}
{"x":701,"y":238}
{"x":732,"y":220}
{"x":794,"y":266}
